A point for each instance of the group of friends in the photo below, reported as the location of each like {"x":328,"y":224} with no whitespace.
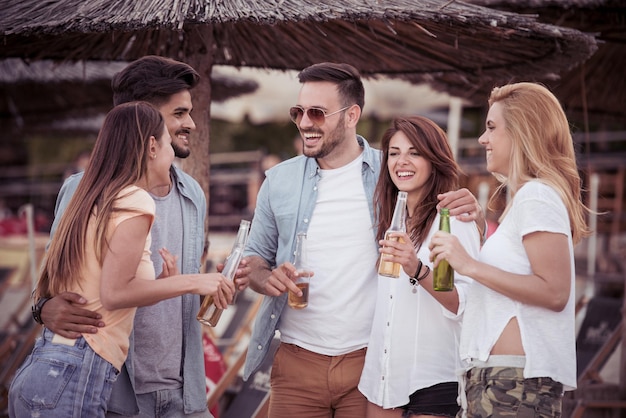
{"x":117,"y":342}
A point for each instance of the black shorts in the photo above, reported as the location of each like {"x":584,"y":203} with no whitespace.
{"x":439,"y":400}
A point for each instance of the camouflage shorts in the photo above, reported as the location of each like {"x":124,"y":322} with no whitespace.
{"x":503,"y":392}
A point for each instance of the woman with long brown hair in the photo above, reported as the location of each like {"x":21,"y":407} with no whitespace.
{"x":412,"y":355}
{"x":102,"y":251}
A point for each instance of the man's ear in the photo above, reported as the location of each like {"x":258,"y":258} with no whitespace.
{"x":353,"y":115}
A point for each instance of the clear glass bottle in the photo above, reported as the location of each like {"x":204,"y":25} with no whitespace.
{"x":303,"y":274}
{"x":398,"y":224}
{"x":443,"y":276}
{"x":209,"y":314}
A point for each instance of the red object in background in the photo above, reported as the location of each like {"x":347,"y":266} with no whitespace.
{"x":18,"y":226}
{"x":214,"y":367}
{"x":13,"y":226}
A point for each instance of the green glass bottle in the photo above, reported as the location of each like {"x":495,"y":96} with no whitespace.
{"x":443,"y":276}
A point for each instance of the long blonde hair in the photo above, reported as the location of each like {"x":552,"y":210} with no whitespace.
{"x":542,"y":147}
{"x":119,"y":159}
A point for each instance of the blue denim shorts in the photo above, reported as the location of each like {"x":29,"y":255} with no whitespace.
{"x":59,"y":380}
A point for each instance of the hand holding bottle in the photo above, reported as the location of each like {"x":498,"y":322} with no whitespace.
{"x":401,"y":249}
{"x":242,"y":274}
{"x":210,"y":312}
{"x":387,"y":267}
{"x":279,"y":280}
{"x":216,"y":287}
{"x":445,"y":246}
{"x":300,"y":300}
{"x":301,"y":275}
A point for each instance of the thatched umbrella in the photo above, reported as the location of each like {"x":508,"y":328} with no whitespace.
{"x":598,"y":87}
{"x":43,"y":94}
{"x":425,"y":39}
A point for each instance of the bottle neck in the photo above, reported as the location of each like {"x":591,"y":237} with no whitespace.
{"x":242,"y":234}
{"x":444,"y":222}
{"x":300,"y":260}
{"x":398,"y":222}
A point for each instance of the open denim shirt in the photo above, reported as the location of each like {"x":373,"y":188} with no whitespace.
{"x":284,"y":207}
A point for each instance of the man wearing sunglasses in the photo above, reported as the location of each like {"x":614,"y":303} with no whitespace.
{"x":327,"y":193}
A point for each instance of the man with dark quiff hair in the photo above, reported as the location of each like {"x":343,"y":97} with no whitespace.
{"x":164,"y":373}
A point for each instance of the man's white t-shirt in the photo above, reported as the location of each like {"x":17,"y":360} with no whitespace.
{"x":342,"y":251}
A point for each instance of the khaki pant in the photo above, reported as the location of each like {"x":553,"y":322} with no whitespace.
{"x":306,"y":384}
{"x":503,"y":392}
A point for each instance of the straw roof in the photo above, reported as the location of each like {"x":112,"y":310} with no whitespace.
{"x":44,"y":94}
{"x":457,"y":46}
{"x":598,"y":87}
{"x":428,"y":39}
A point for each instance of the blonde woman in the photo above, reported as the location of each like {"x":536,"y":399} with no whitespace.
{"x":518,"y":337}
{"x":102,"y":251}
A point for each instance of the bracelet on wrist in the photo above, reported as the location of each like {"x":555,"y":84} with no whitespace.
{"x":36,"y":309}
{"x":423,"y":276}
{"x":415,"y":279}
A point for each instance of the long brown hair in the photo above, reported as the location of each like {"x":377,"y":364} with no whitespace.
{"x":119,"y":159}
{"x":430,"y":141}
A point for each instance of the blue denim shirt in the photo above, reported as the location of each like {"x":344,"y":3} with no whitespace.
{"x":284,"y":207}
{"x":123,"y":400}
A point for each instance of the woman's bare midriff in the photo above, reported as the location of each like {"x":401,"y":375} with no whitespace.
{"x":510,"y":341}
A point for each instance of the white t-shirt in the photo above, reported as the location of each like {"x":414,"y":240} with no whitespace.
{"x":342,"y":252}
{"x":548,"y":337}
{"x":415,"y":340}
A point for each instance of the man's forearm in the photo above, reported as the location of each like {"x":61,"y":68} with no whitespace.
{"x":259,"y":272}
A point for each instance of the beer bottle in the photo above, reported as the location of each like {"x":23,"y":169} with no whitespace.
{"x":209,"y":314}
{"x":443,"y":276}
{"x":303,"y":274}
{"x":398,"y":224}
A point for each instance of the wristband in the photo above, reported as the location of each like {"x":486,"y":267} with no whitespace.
{"x":423,"y":276}
{"x":36,"y":310}
{"x":417,"y":277}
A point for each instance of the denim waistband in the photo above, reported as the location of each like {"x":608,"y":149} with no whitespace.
{"x":51,"y":338}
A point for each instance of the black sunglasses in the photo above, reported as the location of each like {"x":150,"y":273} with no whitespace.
{"x":315,"y":114}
